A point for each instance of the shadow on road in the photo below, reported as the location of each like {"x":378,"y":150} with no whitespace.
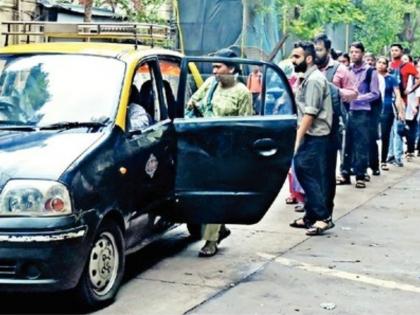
{"x":63,"y":302}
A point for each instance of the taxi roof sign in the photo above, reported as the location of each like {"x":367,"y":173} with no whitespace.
{"x":140,"y":33}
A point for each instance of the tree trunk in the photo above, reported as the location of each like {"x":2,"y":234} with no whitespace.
{"x":88,"y":11}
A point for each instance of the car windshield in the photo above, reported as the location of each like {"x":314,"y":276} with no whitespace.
{"x":40,"y":90}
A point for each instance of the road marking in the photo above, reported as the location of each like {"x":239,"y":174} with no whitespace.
{"x":343,"y":274}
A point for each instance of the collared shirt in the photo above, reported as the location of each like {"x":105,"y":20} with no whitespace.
{"x":405,"y":70}
{"x":344,"y":80}
{"x":367,"y":93}
{"x":313,"y":98}
{"x":231,"y":101}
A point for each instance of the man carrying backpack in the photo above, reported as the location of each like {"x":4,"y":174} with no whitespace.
{"x":357,"y":130}
{"x":401,"y":71}
{"x":343,"y":89}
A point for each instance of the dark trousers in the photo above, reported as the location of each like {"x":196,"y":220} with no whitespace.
{"x":411,"y":134}
{"x":311,"y":170}
{"x":356,"y":148}
{"x":387,"y":120}
{"x":374,"y":116}
{"x":333,"y":146}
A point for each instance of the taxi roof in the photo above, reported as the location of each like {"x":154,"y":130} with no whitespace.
{"x":124,"y":52}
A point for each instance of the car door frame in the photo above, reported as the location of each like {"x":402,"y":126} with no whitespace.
{"x":184,"y":213}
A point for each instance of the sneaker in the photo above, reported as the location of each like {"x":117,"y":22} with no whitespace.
{"x":390,"y":159}
{"x":398,"y":163}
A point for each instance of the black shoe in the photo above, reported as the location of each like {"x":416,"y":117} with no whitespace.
{"x":376,"y":173}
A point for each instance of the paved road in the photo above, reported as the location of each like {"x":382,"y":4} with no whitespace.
{"x":368,"y":264}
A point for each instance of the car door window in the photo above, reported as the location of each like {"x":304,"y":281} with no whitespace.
{"x":278,"y":97}
{"x":266,"y":86}
{"x":145,"y":99}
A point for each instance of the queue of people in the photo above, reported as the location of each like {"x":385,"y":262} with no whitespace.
{"x":346,"y":102}
{"x":379,"y":101}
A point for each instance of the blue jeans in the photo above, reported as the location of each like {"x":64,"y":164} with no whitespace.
{"x":356,"y":149}
{"x":311,"y":171}
{"x":387,"y":121}
{"x":396,"y":145}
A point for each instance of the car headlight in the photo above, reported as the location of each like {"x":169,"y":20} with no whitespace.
{"x":34,"y":198}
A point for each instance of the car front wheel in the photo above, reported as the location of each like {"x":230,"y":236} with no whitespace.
{"x":104,"y":269}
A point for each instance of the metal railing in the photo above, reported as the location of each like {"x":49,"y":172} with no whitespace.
{"x":137,"y":33}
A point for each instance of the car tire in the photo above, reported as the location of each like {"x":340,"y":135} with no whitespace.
{"x":195,"y":231}
{"x":104,"y":270}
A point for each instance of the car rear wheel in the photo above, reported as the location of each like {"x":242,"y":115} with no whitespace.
{"x":104,"y":269}
{"x":195,"y":230}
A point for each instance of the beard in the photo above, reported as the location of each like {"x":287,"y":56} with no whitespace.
{"x":301,"y":67}
{"x":320,"y":61}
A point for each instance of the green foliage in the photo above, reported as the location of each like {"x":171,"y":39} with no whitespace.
{"x":382,"y":25}
{"x":140,"y":10}
{"x":310,"y":17}
{"x":376,"y":23}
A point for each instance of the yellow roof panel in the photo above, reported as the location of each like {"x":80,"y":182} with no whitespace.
{"x":120,"y":51}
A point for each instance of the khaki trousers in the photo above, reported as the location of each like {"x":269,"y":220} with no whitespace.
{"x":211,"y":232}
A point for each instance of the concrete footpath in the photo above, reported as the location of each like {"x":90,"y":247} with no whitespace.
{"x":368,"y":264}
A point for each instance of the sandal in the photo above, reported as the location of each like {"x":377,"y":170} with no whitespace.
{"x":300,"y":223}
{"x":223,"y":233}
{"x":300,"y":207}
{"x":291,"y":201}
{"x":209,"y":249}
{"x":367,"y":178}
{"x":343,"y":180}
{"x":319,"y":227}
{"x":360,"y":184}
{"x":384,"y":167}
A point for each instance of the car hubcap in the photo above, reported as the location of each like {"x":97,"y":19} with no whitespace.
{"x":103,"y":264}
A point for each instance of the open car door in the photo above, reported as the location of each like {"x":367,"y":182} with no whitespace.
{"x":230,"y":169}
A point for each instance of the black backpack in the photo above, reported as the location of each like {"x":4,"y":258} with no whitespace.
{"x":338,"y":107}
{"x":378,"y":102}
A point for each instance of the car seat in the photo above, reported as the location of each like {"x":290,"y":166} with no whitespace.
{"x":147,"y":98}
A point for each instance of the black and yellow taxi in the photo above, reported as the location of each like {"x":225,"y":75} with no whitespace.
{"x":79,"y":189}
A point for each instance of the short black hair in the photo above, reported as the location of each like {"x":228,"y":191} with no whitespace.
{"x":324,"y":39}
{"x":358,"y":45}
{"x":308,"y":48}
{"x":397,"y":45}
{"x":228,"y":53}
{"x":346,"y":55}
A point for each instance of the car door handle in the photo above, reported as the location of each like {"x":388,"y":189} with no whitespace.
{"x":265,"y":147}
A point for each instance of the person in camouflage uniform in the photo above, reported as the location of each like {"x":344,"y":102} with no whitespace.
{"x":220,"y":95}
